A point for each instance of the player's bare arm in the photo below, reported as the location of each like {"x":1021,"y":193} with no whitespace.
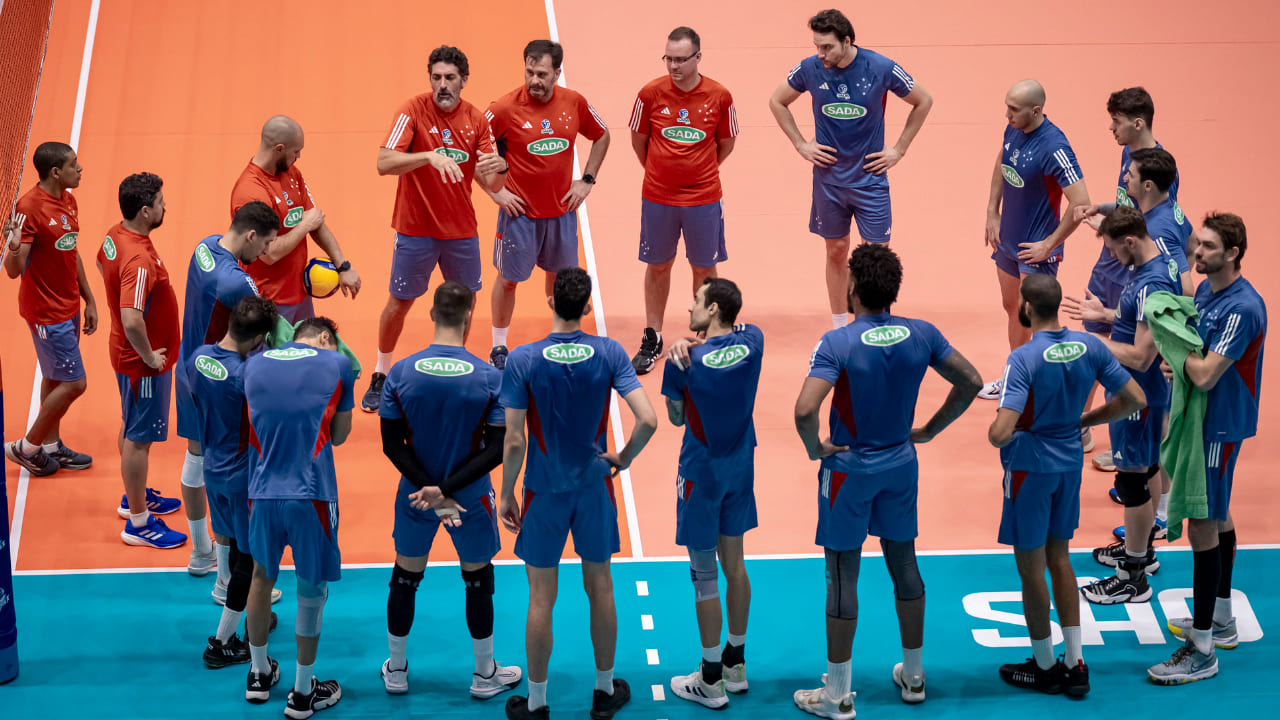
{"x":640,"y":144}
{"x":17,"y":253}
{"x":1077,"y":196}
{"x":579,"y":189}
{"x":395,"y":162}
{"x":491,"y":171}
{"x":921,"y":103}
{"x":965,"y":384}
{"x":1127,"y":400}
{"x":349,"y":279}
{"x":779,"y":105}
{"x":724,"y":146}
{"x":646,"y":423}
{"x":284,"y":243}
{"x":1204,"y":372}
{"x":812,"y":393}
{"x":90,"y":324}
{"x":507,"y":200}
{"x":993,"y":205}
{"x":1140,"y":354}
{"x":340,"y":427}
{"x":135,"y":331}
{"x":1089,"y":309}
{"x":514,"y":445}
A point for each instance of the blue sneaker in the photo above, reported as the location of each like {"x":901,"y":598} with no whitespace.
{"x":156,"y":503}
{"x":1162,"y":530}
{"x":154,"y":534}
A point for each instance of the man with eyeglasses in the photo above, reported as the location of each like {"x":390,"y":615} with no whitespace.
{"x":683,"y":127}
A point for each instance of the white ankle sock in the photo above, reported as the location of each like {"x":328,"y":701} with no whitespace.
{"x":537,"y":695}
{"x":261,"y":663}
{"x":737,"y":640}
{"x":1203,"y":640}
{"x":224,"y":562}
{"x":228,"y":623}
{"x":1162,"y":508}
{"x":384,"y":363}
{"x":396,"y":644}
{"x":302,"y":681}
{"x":483,"y":651}
{"x":839,"y":678}
{"x":1043,"y":651}
{"x":27,"y":448}
{"x":711,"y":654}
{"x":912,"y":665}
{"x":140,"y":519}
{"x":500,"y":336}
{"x":839,"y":319}
{"x":604,"y":680}
{"x":50,"y":447}
{"x":1222,"y":610}
{"x":200,"y":540}
{"x":1075,"y":650}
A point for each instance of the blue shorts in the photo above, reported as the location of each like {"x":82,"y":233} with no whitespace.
{"x":1135,"y":440}
{"x":298,"y":311}
{"x":308,"y":527}
{"x":229,"y":512}
{"x":476,"y":541}
{"x":851,"y":506}
{"x":58,"y":350}
{"x":708,"y":507}
{"x":589,"y":512}
{"x":1220,"y":469}
{"x":144,"y":406}
{"x":834,"y":207}
{"x":1009,"y":264}
{"x":188,"y":418}
{"x":521,"y":242}
{"x":1105,"y":288}
{"x":702,"y":226}
{"x":1038,"y":506}
{"x":413,"y":259}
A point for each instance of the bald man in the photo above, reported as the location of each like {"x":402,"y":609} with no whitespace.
{"x":1034,"y":169}
{"x":273,"y":177}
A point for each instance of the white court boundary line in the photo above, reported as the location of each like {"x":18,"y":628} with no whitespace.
{"x":597,"y":302}
{"x":77,"y":121}
{"x":625,"y":561}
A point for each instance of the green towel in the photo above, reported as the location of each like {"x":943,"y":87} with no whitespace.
{"x":1182,"y":450}
{"x":284,"y":333}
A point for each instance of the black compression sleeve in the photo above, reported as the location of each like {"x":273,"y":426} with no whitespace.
{"x":397,"y":447}
{"x":479,"y":463}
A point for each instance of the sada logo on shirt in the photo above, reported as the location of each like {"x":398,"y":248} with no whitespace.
{"x":548,"y":146}
{"x":67,"y":241}
{"x":568,"y":353}
{"x":886,"y":335}
{"x":1064,"y":352}
{"x":290,"y":353}
{"x":293,"y":217}
{"x":443,"y":367}
{"x":843,"y":111}
{"x":211,"y":368}
{"x":726,"y":357}
{"x":458,"y":156}
{"x":204,"y":258}
{"x":684,"y":135}
{"x":1011,"y":176}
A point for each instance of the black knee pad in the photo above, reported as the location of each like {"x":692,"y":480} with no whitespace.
{"x":842,"y":583}
{"x":404,"y":580}
{"x":400,"y":600}
{"x":479,"y":581}
{"x":1131,"y":487}
{"x":900,"y":559}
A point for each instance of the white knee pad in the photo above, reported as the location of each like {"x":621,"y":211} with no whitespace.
{"x":311,"y":599}
{"x":193,"y":471}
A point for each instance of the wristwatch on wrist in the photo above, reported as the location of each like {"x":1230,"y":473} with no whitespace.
{"x":345,"y":266}
{"x":589,"y":179}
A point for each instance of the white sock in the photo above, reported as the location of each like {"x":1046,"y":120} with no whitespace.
{"x":737,"y":640}
{"x":1043,"y":651}
{"x":537,"y":695}
{"x":1075,"y":651}
{"x":50,"y":447}
{"x":1222,"y":610}
{"x":260,"y":663}
{"x":1203,"y":640}
{"x":500,"y":336}
{"x":604,"y":680}
{"x":711,"y":654}
{"x":483,"y":650}
{"x":224,"y":563}
{"x":140,"y":519}
{"x":228,"y":624}
{"x":27,"y":448}
{"x":1162,"y":508}
{"x":384,"y":363}
{"x":912,"y":665}
{"x":396,"y":644}
{"x":840,"y":319}
{"x":839,"y":677}
{"x":302,"y":681}
{"x":200,"y":540}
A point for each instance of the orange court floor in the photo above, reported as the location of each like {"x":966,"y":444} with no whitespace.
{"x":181,"y":89}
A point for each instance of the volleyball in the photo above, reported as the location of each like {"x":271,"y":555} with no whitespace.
{"x":320,"y":278}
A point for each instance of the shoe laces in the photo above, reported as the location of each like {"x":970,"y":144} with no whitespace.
{"x":1181,"y":654}
{"x":649,"y":343}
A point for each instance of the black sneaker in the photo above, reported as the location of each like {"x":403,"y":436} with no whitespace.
{"x":38,"y":463}
{"x":258,"y":687}
{"x":69,"y":459}
{"x":323,"y":694}
{"x":498,"y":356}
{"x":1029,"y":676}
{"x":1112,"y":554}
{"x":221,"y":654}
{"x":373,"y":397}
{"x":518,"y":709}
{"x":604,"y":705}
{"x":1075,"y":680}
{"x":650,"y":349}
{"x":1115,"y":590}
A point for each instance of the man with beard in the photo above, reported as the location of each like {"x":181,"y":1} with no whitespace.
{"x":535,"y":127}
{"x":273,"y":177}
{"x":437,"y":145}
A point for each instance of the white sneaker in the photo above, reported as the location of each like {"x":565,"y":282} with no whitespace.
{"x":992,"y":390}
{"x":1086,"y":439}
{"x":735,"y":678}
{"x":395,"y":681}
{"x":502,"y":680}
{"x":693,"y":688}
{"x":202,"y":564}
{"x":816,"y":702}
{"x":1102,"y":461}
{"x":220,"y":593}
{"x":910,"y":694}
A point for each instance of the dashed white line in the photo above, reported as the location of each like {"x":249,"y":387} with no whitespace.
{"x":652,"y":654}
{"x":658,"y":693}
{"x":642,"y":588}
{"x":646,"y":622}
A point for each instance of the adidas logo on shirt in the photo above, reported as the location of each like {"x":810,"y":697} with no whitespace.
{"x":52,"y":222}
{"x":526,"y":125}
{"x":665,"y":112}
{"x":433,"y":130}
{"x":823,"y":86}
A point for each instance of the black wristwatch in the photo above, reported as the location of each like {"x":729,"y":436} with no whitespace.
{"x":345,"y":266}
{"x":589,"y":179}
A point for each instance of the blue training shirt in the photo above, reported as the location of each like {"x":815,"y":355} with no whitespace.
{"x":848,"y":111}
{"x":1036,"y":167}
{"x":1157,"y":274}
{"x":293,"y":392}
{"x":1122,"y":194}
{"x":1169,"y":228}
{"x":447,"y":395}
{"x":215,"y":377}
{"x":1233,"y":323}
{"x":719,"y":394}
{"x":563,"y":381}
{"x":1047,"y":381}
{"x":215,"y":283}
{"x":876,"y":365}
{"x":1107,"y":264}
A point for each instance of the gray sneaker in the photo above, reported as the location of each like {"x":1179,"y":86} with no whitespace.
{"x":1224,"y":636}
{"x":38,"y":463}
{"x":1187,"y":665}
{"x":69,"y":459}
